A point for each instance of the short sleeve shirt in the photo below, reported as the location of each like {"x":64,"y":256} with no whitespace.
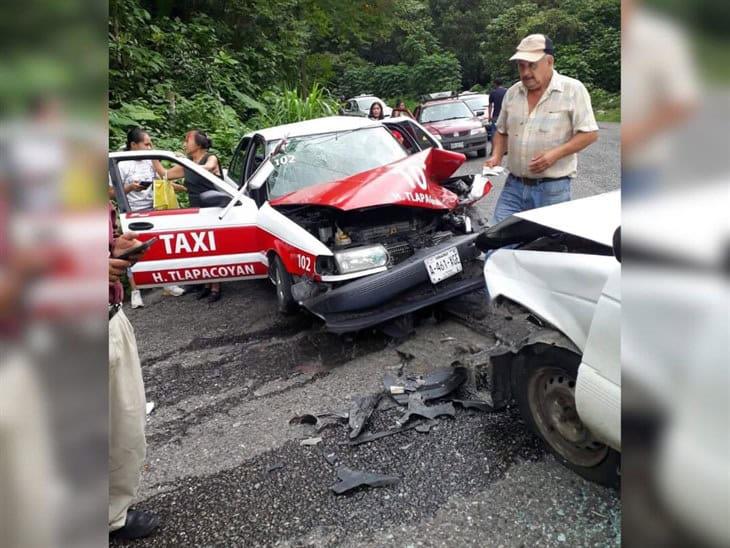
{"x":563,"y":110}
{"x":496,"y":96}
{"x":138,"y":170}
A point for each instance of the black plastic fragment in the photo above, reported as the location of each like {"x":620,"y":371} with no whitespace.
{"x":320,"y":422}
{"x":437,"y":384}
{"x":360,"y":410}
{"x":352,"y":479}
{"x":276,"y":466}
{"x":479,"y":405}
{"x":303,"y":419}
{"x":417,"y":407}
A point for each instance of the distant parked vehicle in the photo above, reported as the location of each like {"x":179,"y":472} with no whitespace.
{"x":452,"y":122}
{"x":360,"y":106}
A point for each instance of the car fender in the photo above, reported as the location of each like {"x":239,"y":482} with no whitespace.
{"x":598,"y":386}
{"x":297,"y":248}
{"x":560,"y":288}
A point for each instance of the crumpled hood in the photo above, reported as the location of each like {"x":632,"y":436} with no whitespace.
{"x":413,"y":181}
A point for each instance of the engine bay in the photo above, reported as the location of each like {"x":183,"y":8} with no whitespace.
{"x":401,"y":230}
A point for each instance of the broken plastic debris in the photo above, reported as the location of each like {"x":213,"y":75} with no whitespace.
{"x":310,"y":441}
{"x":436,"y":384}
{"x":424,"y":428}
{"x":273,"y":467}
{"x":320,"y":422}
{"x":475,"y":404}
{"x":417,"y":407}
{"x":395,"y":389}
{"x":303,"y":419}
{"x":331,"y":458}
{"x":149,"y":407}
{"x":360,"y":410}
{"x":351,"y":479}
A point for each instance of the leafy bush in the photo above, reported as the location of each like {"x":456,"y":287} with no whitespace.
{"x":284,"y":106}
{"x":436,"y":72}
{"x":391,"y":80}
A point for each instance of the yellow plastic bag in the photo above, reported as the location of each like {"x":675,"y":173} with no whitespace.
{"x":163,"y":195}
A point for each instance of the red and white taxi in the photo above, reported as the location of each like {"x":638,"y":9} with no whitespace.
{"x":334,"y":211}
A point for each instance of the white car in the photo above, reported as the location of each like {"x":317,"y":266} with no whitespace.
{"x":360,"y":106}
{"x":553,"y":275}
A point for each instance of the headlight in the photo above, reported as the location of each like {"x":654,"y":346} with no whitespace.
{"x":361,"y":258}
{"x":477,"y":131}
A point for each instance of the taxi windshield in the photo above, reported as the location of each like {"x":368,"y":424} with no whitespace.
{"x":314,"y":159}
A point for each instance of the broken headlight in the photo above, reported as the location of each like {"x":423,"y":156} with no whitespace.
{"x":361,"y":258}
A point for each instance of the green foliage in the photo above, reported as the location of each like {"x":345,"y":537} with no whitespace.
{"x":284,"y":106}
{"x":437,"y":72}
{"x":227,"y":67}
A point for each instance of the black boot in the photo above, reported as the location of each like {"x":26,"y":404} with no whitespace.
{"x":203,"y":293}
{"x":138,"y":525}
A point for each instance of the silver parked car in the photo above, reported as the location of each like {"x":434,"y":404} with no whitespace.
{"x":360,"y":106}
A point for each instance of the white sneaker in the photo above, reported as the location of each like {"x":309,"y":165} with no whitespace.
{"x":173,"y":290}
{"x":137,"y":299}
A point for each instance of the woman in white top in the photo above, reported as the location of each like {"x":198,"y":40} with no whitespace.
{"x":137,"y":176}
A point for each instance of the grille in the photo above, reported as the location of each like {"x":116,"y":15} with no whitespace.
{"x":381,"y":232}
{"x":399,"y":251}
{"x":439,"y":237}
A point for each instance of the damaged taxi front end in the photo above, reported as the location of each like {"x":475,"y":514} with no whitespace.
{"x":399,"y":240}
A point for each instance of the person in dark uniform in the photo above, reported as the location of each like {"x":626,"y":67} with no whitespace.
{"x":197,"y":146}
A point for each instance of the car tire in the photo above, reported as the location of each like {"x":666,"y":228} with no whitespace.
{"x":482,"y":152}
{"x":282,"y":283}
{"x":544,"y":387}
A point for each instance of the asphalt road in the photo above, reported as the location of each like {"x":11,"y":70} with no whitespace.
{"x":225,"y":467}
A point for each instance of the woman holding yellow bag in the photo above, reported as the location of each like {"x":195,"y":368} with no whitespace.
{"x":197,"y":145}
{"x":134,"y":174}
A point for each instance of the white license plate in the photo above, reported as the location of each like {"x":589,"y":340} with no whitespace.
{"x":460,"y":144}
{"x":443,"y":265}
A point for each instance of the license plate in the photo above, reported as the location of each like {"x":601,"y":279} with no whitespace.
{"x":443,"y":265}
{"x":460,"y":144}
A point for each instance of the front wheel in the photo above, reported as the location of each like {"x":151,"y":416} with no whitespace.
{"x":282,"y":282}
{"x":545,"y":392}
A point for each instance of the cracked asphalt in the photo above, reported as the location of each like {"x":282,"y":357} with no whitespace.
{"x":226,"y":468}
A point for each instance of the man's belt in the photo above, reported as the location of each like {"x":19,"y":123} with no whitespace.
{"x":113,"y":309}
{"x":527,"y":181}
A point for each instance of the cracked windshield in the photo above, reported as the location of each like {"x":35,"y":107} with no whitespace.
{"x":318,"y":159}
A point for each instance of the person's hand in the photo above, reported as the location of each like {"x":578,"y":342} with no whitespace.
{"x":133,"y":186}
{"x":492,"y":162}
{"x":542,"y":161}
{"x":117,"y":267}
{"x":126,"y":241}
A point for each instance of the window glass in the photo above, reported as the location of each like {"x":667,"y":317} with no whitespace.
{"x":307,"y":161}
{"x":238,"y":163}
{"x":445,"y":111}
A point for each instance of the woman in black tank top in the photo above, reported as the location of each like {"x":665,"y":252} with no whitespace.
{"x":197,"y":145}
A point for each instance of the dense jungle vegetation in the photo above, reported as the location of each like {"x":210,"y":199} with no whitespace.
{"x":226,"y":66}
